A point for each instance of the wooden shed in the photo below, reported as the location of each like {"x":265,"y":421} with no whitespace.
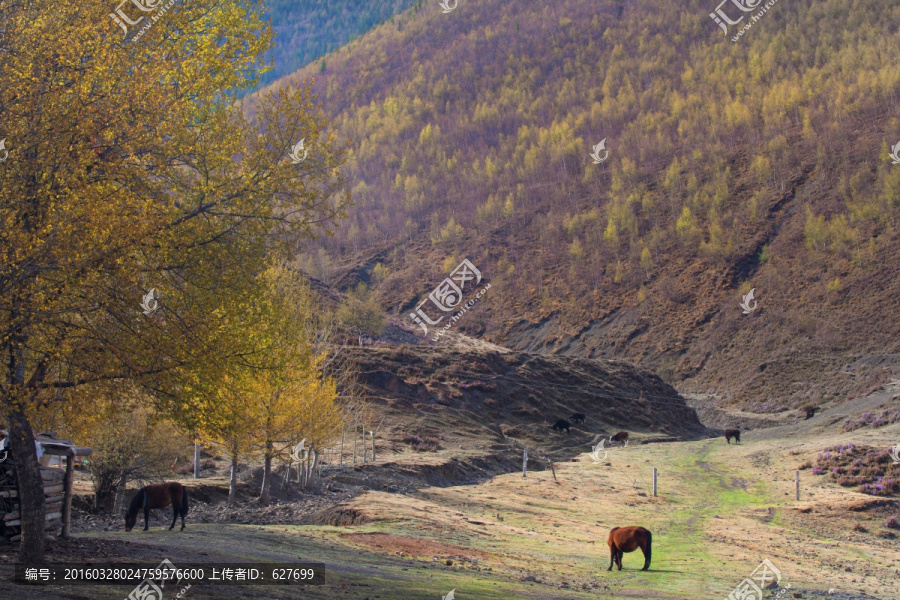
{"x":57,"y":458}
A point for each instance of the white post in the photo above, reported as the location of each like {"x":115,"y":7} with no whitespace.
{"x":654,"y":482}
{"x":196,"y":460}
{"x":524,"y":462}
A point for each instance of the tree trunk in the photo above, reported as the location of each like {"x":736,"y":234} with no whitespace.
{"x":31,"y":487}
{"x":315,"y":462}
{"x":232,"y":486}
{"x":341,"y":462}
{"x":267,"y":474}
{"x":373,"y":438}
{"x":365,"y":445}
{"x":119,"y":497}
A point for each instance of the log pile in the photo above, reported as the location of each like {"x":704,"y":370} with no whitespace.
{"x":54,"y":497}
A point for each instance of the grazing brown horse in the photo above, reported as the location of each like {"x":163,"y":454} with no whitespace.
{"x":628,"y":539}
{"x":622,"y":437}
{"x":158,"y":496}
{"x":733,"y":433}
{"x":561,"y":424}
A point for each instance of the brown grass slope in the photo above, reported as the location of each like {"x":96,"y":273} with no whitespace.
{"x":483,"y":407}
{"x":758,"y":164}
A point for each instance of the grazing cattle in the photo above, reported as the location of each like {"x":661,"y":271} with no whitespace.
{"x":577,"y":418}
{"x":621,"y":437}
{"x":733,"y":433}
{"x":561,"y":424}
{"x":628,"y":539}
{"x":158,"y":496}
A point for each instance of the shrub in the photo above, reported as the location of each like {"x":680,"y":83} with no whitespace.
{"x":868,"y":419}
{"x":859,"y":527}
{"x":428,"y":444}
{"x":869,"y":468}
{"x":892,"y":523}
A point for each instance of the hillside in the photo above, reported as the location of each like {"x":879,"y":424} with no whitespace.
{"x":511,"y":395}
{"x":306,"y":30}
{"x":757,"y":164}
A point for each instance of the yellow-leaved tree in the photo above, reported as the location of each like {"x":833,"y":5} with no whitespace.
{"x":291,"y":398}
{"x":268,"y":392}
{"x":136,"y":200}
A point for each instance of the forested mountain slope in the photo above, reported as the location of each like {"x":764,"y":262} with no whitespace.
{"x":306,"y":30}
{"x":761,"y":163}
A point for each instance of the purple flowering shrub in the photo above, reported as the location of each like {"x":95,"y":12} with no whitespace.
{"x":871,"y":470}
{"x":868,"y":419}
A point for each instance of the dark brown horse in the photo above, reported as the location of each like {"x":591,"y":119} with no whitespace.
{"x":561,"y":424}
{"x":621,"y":437}
{"x":733,"y":433}
{"x":628,"y":539}
{"x":158,"y":496}
{"x":578,"y":418}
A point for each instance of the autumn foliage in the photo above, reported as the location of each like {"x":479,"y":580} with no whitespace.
{"x":131,"y":168}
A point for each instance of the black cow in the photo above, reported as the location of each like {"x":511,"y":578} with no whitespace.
{"x":577,"y":418}
{"x":561,"y":424}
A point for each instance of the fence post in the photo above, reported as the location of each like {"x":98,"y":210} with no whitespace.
{"x":797,"y":484}
{"x":196,"y":461}
{"x":654,"y":482}
{"x":524,"y":462}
